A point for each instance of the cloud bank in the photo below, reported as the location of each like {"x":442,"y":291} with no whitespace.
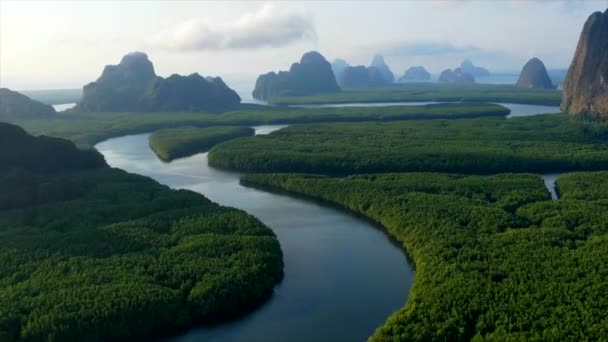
{"x":270,"y":26}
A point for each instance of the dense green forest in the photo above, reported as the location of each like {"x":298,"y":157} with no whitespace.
{"x":93,"y":253}
{"x":172,"y":143}
{"x":495,"y":259}
{"x":432,"y":92}
{"x":544,"y":143}
{"x":86,"y":129}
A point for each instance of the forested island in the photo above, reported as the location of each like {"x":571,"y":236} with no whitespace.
{"x":94,"y":253}
{"x":172,"y":143}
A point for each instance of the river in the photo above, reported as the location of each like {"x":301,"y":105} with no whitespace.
{"x":343,"y":276}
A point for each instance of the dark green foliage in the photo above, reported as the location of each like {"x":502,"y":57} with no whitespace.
{"x":544,"y":143}
{"x":172,"y":143}
{"x":97,"y":254}
{"x":313,"y":75}
{"x":14,"y":105}
{"x":18,"y":150}
{"x":86,"y":129}
{"x":495,"y":260}
{"x":432,"y":92}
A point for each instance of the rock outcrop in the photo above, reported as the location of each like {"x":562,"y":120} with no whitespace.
{"x":362,"y":77}
{"x":534,"y":76}
{"x":456,"y":76}
{"x":313,"y":75}
{"x":14,"y":105}
{"x":467,"y":67}
{"x":387,"y":74}
{"x":133,"y":86}
{"x":338,"y":66}
{"x":585,"y":89}
{"x":415,"y":73}
{"x":189,"y":93}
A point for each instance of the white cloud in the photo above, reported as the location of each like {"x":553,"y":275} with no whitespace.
{"x":270,"y":26}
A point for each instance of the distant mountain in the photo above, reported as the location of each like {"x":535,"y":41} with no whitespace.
{"x":585,"y":89}
{"x":387,"y":74}
{"x":133,"y":85}
{"x":338,"y":66}
{"x":534,"y":76}
{"x":361,"y":77}
{"x":14,"y":105}
{"x":313,"y":75}
{"x":456,"y":76}
{"x":467,"y":67}
{"x":415,"y":73}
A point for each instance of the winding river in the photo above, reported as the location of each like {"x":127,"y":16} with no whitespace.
{"x":343,"y":276}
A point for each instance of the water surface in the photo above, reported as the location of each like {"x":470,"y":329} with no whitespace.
{"x":516,"y":108}
{"x":343,"y":276}
{"x":63,"y":106}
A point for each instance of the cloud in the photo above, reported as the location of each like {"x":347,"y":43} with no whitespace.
{"x":426,"y":48}
{"x":270,"y":26}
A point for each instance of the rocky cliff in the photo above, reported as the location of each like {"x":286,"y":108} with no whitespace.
{"x":586,"y":85}
{"x":534,"y":75}
{"x":387,"y":74}
{"x":312,"y":75}
{"x":133,"y":86}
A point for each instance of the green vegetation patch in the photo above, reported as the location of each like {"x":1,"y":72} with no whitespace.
{"x":432,"y":92}
{"x":544,"y":143}
{"x":495,"y":259}
{"x":86,"y":129}
{"x":172,"y":143}
{"x":93,"y":253}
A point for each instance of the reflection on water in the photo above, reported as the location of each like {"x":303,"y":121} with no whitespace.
{"x":343,"y":277}
{"x":64,"y":106}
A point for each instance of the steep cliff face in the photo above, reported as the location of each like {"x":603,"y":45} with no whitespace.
{"x":312,"y":75}
{"x":14,"y":105}
{"x":132,"y":85}
{"x":586,"y":85}
{"x":534,"y":75}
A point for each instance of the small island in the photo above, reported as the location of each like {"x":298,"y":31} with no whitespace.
{"x":173,"y":143}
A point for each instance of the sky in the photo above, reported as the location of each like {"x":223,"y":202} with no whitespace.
{"x":65,"y":44}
